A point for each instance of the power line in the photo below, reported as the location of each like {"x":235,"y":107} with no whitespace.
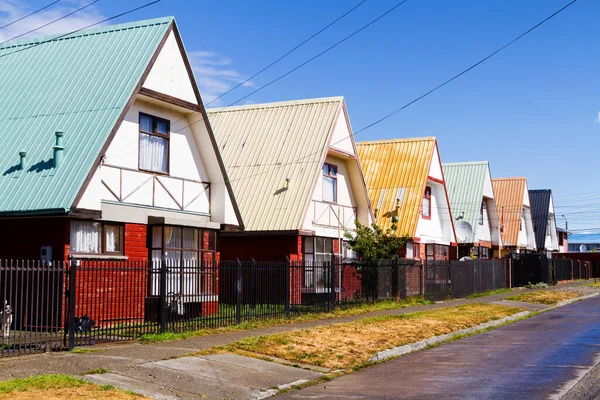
{"x":288,"y":53}
{"x":320,"y":54}
{"x":81,"y":29}
{"x":29,"y":15}
{"x":51,"y":22}
{"x":466,"y":70}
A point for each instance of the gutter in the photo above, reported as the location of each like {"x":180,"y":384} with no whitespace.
{"x":28,"y":213}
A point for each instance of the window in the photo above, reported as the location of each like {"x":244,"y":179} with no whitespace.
{"x":329,"y":183}
{"x":522,"y":220}
{"x":426,"y":208}
{"x":560,"y":239}
{"x":481,"y":213}
{"x":154,"y":144}
{"x":92,"y":237}
{"x":484,"y":252}
{"x":416,"y":250}
{"x":317,"y":252}
{"x":549,"y":227}
{"x":188,"y":253}
{"x":436,"y":252}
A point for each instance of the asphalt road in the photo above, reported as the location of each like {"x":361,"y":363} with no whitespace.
{"x":552,"y":355}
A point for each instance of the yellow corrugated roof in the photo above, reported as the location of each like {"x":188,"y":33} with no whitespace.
{"x":262,"y":145}
{"x":509,"y":193}
{"x":397,"y":169}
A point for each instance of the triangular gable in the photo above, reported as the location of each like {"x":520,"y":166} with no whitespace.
{"x":170,"y":54}
{"x":273,"y":153}
{"x":395,"y":173}
{"x":169,"y":74}
{"x":44,"y":94}
{"x":511,"y":196}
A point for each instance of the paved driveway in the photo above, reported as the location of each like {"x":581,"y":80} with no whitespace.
{"x":539,"y":358}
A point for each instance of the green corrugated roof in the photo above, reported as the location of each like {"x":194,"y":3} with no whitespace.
{"x":464,"y":183}
{"x":79,"y":84}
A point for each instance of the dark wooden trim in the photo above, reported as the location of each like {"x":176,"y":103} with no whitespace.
{"x":85,"y":213}
{"x":123,"y":198}
{"x":153,"y":94}
{"x":154,"y":132}
{"x":111,"y":191}
{"x":267,"y":233}
{"x":211,"y":134}
{"x":115,"y":128}
{"x":169,"y":193}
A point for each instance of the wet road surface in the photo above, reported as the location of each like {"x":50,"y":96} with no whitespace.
{"x":538,"y":358}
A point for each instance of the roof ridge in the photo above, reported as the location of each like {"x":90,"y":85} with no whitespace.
{"x":277,"y":104}
{"x":516,"y":178}
{"x":457,"y":163}
{"x":89,"y":31}
{"x":397,"y":140}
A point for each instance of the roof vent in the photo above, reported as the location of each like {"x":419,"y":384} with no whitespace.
{"x":58,"y":149}
{"x":23,"y":155}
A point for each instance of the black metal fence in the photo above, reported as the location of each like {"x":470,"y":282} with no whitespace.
{"x":477,"y":276}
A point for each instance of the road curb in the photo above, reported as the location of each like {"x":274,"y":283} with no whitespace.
{"x":570,"y":301}
{"x":409,"y":348}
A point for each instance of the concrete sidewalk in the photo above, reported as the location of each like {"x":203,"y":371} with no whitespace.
{"x":166,"y":372}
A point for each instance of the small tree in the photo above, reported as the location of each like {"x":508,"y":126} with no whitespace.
{"x":372,"y":244}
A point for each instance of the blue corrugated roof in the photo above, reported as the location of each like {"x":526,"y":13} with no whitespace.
{"x":79,"y":84}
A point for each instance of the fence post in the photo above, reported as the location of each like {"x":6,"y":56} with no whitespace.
{"x":421,"y":278}
{"x":72,"y":299}
{"x":238,"y":292}
{"x":287,"y":289}
{"x":162,"y":293}
{"x":332,"y":285}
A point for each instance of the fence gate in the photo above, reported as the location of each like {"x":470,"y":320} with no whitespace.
{"x":530,"y":268}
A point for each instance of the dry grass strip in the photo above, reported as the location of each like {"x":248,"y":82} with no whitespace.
{"x":353,"y":343}
{"x":547,"y":297}
{"x":51,"y":387}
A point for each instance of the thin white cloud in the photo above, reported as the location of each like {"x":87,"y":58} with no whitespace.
{"x":598,"y":117}
{"x":11,"y":10}
{"x":214,"y":74}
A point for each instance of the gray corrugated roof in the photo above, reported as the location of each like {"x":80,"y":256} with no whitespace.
{"x":79,"y":84}
{"x":262,"y":145}
{"x":540,"y":205}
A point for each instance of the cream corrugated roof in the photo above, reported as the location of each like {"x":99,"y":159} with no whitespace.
{"x":262,"y":145}
{"x":509,"y":194}
{"x":397,"y":169}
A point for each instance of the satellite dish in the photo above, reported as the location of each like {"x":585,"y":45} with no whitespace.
{"x":463,"y":231}
{"x":583,"y":248}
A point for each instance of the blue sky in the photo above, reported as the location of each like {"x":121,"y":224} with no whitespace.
{"x":531,"y":111}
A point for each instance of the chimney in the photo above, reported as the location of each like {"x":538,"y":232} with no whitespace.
{"x":58,"y":148}
{"x":23,"y":155}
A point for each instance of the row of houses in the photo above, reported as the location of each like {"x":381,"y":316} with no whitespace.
{"x":109,"y":153}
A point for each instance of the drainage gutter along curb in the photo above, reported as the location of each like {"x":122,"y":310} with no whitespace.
{"x":409,"y":348}
{"x":565,"y":302}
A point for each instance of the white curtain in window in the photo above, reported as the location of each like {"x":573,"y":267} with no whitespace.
{"x":328,"y":189}
{"x":153,"y":153}
{"x":85,"y":237}
{"x":112,"y":237}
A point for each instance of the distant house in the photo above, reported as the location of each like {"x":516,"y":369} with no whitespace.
{"x":472,"y":202}
{"x":544,"y":221}
{"x":563,"y":240}
{"x":404,"y":178}
{"x":514,"y":211}
{"x":297,"y":179}
{"x":584,"y":242}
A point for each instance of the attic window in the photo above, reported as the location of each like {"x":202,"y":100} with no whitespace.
{"x":549,"y":227}
{"x":154,"y":144}
{"x":426,"y":208}
{"x":481,"y":213}
{"x":329,"y":183}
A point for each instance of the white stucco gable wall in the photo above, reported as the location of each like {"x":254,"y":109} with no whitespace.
{"x":340,"y":138}
{"x":435,"y":170}
{"x":169,"y":74}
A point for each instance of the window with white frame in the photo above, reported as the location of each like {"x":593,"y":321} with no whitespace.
{"x":318,"y":256}
{"x":426,"y":208}
{"x":329,"y":183}
{"x":154,"y":144}
{"x":93,"y":237}
{"x":549,"y":229}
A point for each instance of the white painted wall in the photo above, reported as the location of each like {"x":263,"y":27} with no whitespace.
{"x":435,"y":170}
{"x":438,"y":229}
{"x":321,"y":217}
{"x":340,"y":138}
{"x":169,"y":74}
{"x":484,"y":231}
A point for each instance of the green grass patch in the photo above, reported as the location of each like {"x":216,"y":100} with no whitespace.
{"x":344,"y":310}
{"x":488,"y":293}
{"x":42,"y":382}
{"x":96,"y":371}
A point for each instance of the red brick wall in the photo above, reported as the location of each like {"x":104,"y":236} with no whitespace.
{"x":22,"y":238}
{"x":261,"y":248}
{"x":136,"y":244}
